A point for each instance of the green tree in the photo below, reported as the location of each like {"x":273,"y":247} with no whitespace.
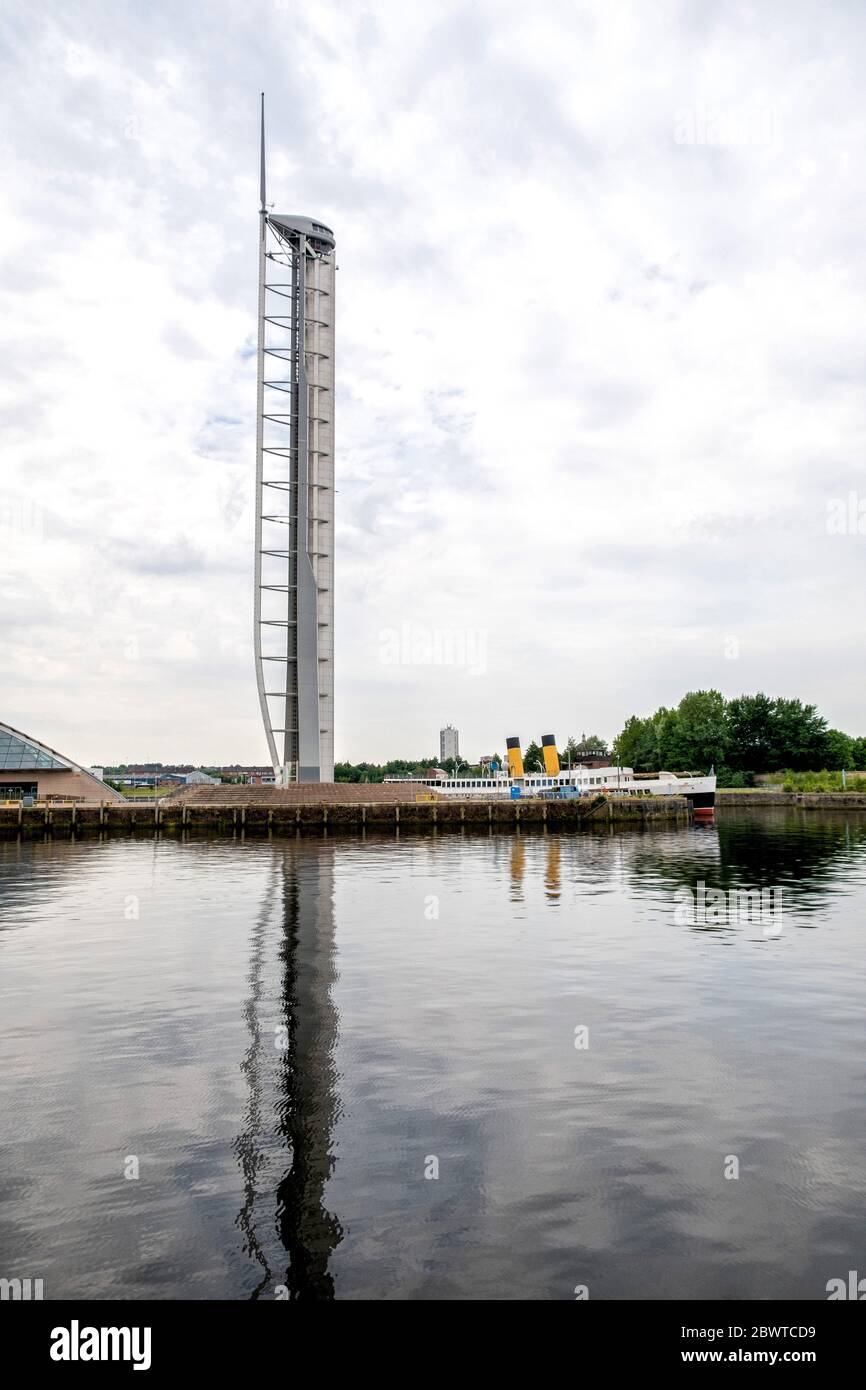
{"x":532,"y":759}
{"x":750,"y":732}
{"x":570,"y":752}
{"x":798,"y":737}
{"x":838,"y":750}
{"x":694,"y":737}
{"x":691,"y":737}
{"x":638,"y":746}
{"x":370,"y":772}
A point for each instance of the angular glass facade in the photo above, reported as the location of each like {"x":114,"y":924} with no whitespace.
{"x":16,"y":754}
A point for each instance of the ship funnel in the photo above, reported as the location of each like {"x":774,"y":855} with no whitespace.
{"x":550,"y":755}
{"x":515,"y":757}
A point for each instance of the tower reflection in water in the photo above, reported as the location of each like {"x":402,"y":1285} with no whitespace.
{"x":284,"y":1151}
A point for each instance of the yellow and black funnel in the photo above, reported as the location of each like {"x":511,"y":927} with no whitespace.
{"x":550,"y":755}
{"x":515,"y":757}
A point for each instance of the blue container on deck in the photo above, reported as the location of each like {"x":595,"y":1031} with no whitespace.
{"x":515,"y":793}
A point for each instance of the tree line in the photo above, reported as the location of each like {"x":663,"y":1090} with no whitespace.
{"x":739,"y":737}
{"x":456,"y":767}
{"x":745,"y":735}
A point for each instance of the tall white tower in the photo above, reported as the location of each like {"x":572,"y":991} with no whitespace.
{"x":294,"y":558}
{"x":448,"y":743}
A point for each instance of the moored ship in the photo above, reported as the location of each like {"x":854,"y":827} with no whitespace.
{"x":556,"y":781}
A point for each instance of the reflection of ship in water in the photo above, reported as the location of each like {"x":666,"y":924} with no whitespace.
{"x":298,"y":904}
{"x":518,"y":868}
{"x":799,"y":852}
{"x":552,"y":872}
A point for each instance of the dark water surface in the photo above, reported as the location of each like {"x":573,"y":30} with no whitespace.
{"x":287,"y":1034}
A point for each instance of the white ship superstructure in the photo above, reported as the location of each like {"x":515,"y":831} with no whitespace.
{"x":573,"y":781}
{"x":596,"y":779}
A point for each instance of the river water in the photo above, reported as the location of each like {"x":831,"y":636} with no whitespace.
{"x":466,"y":1067}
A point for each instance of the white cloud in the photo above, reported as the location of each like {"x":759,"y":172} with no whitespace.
{"x":596,"y":383}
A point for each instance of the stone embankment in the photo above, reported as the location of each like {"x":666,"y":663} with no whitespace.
{"x":272,"y":811}
{"x":836,"y":801}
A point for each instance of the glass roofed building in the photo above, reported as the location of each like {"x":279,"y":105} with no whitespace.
{"x":29,"y":768}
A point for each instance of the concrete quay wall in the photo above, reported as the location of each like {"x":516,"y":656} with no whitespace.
{"x":33,"y":822}
{"x":836,"y":801}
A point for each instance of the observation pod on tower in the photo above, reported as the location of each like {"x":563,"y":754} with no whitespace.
{"x":294,"y":546}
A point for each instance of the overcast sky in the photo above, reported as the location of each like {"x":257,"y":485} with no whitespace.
{"x":601,"y":352}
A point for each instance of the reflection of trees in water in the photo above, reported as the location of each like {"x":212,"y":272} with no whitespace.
{"x":805,"y":853}
{"x":300,"y":891}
